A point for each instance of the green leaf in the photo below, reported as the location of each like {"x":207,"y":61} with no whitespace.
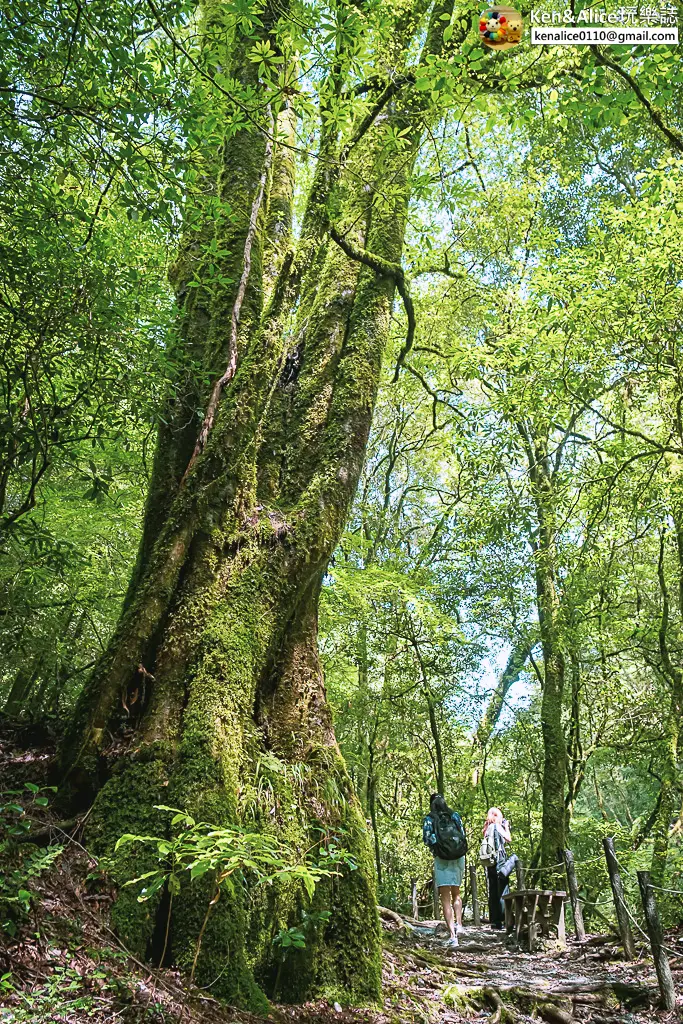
{"x":123,"y":840}
{"x":309,"y":885}
{"x":141,"y":878}
{"x":199,"y":869}
{"x":182,"y":816}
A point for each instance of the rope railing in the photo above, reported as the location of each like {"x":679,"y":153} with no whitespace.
{"x":659,"y":888}
{"x":545,"y":867}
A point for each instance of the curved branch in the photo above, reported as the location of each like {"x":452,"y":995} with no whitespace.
{"x":380,"y":103}
{"x":655,"y":116}
{"x":385,"y":269}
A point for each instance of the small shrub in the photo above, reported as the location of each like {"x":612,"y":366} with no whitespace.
{"x":200,"y":848}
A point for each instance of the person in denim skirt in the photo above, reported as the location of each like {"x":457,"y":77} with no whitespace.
{"x":442,"y":829}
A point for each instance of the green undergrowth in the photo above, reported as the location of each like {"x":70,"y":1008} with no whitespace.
{"x":20,"y":861}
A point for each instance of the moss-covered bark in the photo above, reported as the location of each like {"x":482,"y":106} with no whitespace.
{"x":672,"y":735}
{"x":219,"y":631}
{"x":543,"y":540}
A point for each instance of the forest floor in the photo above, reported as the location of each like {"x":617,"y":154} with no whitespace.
{"x":67,"y":966}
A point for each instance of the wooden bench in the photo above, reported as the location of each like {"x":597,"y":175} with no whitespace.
{"x":533,"y":912}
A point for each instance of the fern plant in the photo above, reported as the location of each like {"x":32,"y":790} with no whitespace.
{"x":21,"y":862}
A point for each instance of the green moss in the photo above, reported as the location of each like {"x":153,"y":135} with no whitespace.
{"x":346,"y":964}
{"x":232,"y":639}
{"x":222,"y":965}
{"x":274,"y":797}
{"x":342,"y":957}
{"x":126,"y":805}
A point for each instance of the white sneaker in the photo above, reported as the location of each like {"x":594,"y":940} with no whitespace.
{"x":460,"y":929}
{"x":452,"y":943}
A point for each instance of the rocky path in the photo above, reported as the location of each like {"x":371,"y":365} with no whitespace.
{"x":486,"y":979}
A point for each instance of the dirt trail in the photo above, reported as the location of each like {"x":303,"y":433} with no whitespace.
{"x":486,"y":979}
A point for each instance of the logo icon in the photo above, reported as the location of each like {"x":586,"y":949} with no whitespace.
{"x":500,"y":27}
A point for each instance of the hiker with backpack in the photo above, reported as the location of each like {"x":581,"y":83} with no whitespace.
{"x":444,"y":834}
{"x":493,"y":855}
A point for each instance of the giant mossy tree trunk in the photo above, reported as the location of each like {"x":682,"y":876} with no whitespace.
{"x":212,"y":679}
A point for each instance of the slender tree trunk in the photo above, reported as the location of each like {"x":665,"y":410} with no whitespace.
{"x":439,"y":775}
{"x":367,"y":742}
{"x":668,"y":795}
{"x":489,"y":720}
{"x":554,"y":744}
{"x":372,"y":810}
{"x":436,"y":736}
{"x":600,"y":799}
{"x":553,"y":838}
{"x":667,"y":803}
{"x":17,"y":698}
{"x":576,"y":757}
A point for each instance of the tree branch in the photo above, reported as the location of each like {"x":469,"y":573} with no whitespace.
{"x":655,"y":116}
{"x":380,"y":103}
{"x":386,"y":269}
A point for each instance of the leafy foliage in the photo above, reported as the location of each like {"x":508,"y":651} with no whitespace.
{"x":199,"y":848}
{"x":20,"y":861}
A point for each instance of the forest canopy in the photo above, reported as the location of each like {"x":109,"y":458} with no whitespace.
{"x":341,"y":451}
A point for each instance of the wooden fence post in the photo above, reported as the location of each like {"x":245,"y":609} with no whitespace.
{"x":436,"y":905}
{"x":654,"y":931}
{"x":572,"y":885}
{"x":519,"y":874}
{"x":476,"y":918}
{"x":413,"y":899}
{"x":619,"y":900}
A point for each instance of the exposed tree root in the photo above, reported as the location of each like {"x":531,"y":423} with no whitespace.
{"x":510,"y":1003}
{"x":471,"y":999}
{"x":395,"y":919}
{"x":555,"y":1014}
